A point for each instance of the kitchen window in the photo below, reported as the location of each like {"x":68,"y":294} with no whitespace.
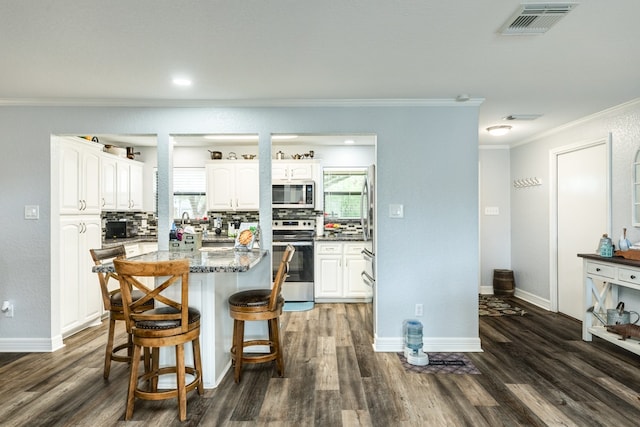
{"x":189,"y":192}
{"x":343,"y":192}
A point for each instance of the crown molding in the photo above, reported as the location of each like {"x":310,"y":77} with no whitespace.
{"x":214,"y":103}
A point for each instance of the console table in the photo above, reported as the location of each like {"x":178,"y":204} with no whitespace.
{"x":614,"y":272}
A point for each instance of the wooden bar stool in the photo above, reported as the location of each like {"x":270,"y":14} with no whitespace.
{"x":172,"y":324}
{"x":259,"y":304}
{"x":112,"y":302}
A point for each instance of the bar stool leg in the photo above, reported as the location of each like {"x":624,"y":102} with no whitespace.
{"x":238,"y":347}
{"x":182,"y":392}
{"x":109,"y":349}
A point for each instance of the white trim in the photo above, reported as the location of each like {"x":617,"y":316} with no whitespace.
{"x":438,"y":344}
{"x":533,"y":299}
{"x":30,"y":345}
{"x":580,"y":121}
{"x":402,"y":102}
{"x":494,"y":147}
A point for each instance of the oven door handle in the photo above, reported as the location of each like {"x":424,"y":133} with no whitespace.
{"x":292,"y":243}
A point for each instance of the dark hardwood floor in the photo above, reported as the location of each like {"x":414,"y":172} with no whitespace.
{"x":536,"y":371}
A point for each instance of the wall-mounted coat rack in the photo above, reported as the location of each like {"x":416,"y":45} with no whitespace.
{"x":526,"y":182}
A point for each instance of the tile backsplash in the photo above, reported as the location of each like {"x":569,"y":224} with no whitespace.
{"x":147,"y":222}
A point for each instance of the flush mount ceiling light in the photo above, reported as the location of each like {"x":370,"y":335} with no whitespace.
{"x":499,"y":130}
{"x":181,"y":81}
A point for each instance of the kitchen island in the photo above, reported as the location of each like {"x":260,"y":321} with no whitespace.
{"x":213,"y":276}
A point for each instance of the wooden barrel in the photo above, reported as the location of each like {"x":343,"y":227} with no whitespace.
{"x":503,"y":282}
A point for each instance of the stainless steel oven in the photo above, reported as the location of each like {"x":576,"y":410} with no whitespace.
{"x":298,"y":233}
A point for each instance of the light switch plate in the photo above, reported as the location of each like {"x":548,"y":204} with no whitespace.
{"x":396,"y":211}
{"x":492,"y":210}
{"x":32,"y":212}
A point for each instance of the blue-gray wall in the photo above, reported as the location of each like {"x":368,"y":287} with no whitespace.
{"x":427,"y":160}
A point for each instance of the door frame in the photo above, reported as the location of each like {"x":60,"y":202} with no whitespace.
{"x":553,"y":207}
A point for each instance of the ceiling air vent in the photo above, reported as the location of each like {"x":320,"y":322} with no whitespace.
{"x":536,"y":18}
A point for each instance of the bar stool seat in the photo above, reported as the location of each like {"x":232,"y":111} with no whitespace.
{"x":259,"y":304}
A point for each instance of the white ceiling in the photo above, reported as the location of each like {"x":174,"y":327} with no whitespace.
{"x":123,"y":52}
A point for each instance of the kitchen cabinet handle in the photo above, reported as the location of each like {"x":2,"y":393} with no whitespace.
{"x":104,"y":202}
{"x":633,"y":276}
{"x":597,"y":269}
{"x":231,"y":203}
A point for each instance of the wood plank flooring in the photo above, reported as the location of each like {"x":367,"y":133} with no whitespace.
{"x":536,"y":371}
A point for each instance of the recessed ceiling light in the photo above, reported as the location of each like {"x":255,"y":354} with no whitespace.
{"x":349,"y":141}
{"x":181,"y":81}
{"x":499,"y":130}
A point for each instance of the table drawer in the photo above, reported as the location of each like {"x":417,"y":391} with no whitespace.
{"x":602,"y":270}
{"x":628,"y":275}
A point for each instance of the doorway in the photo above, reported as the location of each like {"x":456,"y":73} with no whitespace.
{"x":582,"y":213}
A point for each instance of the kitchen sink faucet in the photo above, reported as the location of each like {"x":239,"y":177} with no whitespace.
{"x":183,"y":217}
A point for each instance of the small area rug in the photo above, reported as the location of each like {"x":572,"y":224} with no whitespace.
{"x":490,"y":305}
{"x":298,"y":306}
{"x":442,"y":363}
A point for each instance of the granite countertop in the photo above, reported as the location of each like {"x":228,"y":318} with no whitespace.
{"x":340,"y":237}
{"x":226,"y":260}
{"x":107,"y":243}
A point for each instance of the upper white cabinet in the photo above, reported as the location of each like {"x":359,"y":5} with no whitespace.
{"x":108,"y":168}
{"x":79,"y":177}
{"x":233,"y":185}
{"x":296,"y":169}
{"x":129,"y":193}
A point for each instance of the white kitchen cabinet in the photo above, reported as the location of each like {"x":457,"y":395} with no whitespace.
{"x":129,"y":174}
{"x":233,"y":185}
{"x":355,"y":264}
{"x":108,"y":179}
{"x":80,"y":298}
{"x":292,"y":170}
{"x":79,"y":177}
{"x":338,"y":268}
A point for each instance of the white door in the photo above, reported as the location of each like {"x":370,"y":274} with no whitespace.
{"x":582,"y":202}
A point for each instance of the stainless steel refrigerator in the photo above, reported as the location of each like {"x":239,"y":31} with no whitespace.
{"x":367,"y":220}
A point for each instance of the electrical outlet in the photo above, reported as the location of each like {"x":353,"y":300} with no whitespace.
{"x":7,"y":309}
{"x":418,"y":309}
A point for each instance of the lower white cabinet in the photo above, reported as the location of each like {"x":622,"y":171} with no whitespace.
{"x":80,"y":299}
{"x":338,"y":268}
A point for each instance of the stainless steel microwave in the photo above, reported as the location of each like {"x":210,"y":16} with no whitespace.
{"x":293,"y":194}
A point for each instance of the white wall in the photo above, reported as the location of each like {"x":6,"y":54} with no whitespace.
{"x":495,"y":230}
{"x":427,"y":159}
{"x":530,"y":209}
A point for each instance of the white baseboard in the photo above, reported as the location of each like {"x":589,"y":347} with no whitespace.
{"x":533,"y":299}
{"x":435,"y":345}
{"x":30,"y":345}
{"x":486,"y":290}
